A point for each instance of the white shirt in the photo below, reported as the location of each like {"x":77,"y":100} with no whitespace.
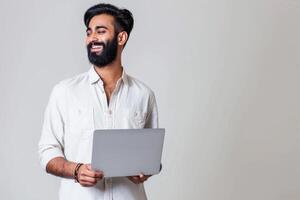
{"x":77,"y":107}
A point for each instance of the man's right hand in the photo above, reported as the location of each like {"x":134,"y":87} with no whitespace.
{"x":87,"y":177}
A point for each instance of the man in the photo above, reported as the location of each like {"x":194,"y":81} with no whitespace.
{"x":105,"y":97}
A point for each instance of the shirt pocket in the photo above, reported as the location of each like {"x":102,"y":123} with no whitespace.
{"x":131,"y":118}
{"x":139,"y":118}
{"x":82,"y":121}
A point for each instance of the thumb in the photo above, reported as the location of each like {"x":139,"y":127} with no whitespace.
{"x":89,"y":166}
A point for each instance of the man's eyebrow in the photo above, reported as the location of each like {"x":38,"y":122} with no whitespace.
{"x":98,"y":27}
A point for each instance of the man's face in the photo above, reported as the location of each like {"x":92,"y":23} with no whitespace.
{"x":101,"y":40}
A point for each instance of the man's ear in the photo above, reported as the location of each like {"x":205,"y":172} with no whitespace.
{"x":122,"y":38}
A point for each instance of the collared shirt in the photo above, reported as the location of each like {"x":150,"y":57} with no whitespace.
{"x":77,"y":107}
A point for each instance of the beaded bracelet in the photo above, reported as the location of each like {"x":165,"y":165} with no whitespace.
{"x":76,"y":172}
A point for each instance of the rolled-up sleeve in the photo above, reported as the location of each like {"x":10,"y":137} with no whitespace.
{"x":51,"y":143}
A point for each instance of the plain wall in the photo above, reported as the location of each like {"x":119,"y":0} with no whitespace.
{"x":226,"y":78}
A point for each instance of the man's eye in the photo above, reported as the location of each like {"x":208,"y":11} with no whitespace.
{"x":88,"y":33}
{"x":101,"y":32}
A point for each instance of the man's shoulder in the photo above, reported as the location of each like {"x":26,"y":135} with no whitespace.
{"x":139,"y":86}
{"x":75,"y":80}
{"x":71,"y":83}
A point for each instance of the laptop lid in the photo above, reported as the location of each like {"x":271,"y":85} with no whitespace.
{"x":127,"y":152}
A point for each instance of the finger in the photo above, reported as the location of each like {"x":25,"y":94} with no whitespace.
{"x":138,"y":179}
{"x":88,"y":179}
{"x":142,"y":177}
{"x":90,"y":173}
{"x":86,"y":184}
{"x":97,"y":173}
{"x":99,"y":177}
{"x":133,"y":179}
{"x":89,"y":166}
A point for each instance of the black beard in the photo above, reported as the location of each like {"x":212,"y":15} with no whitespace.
{"x":108,"y":54}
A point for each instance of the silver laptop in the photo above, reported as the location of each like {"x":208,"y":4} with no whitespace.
{"x":127,"y":152}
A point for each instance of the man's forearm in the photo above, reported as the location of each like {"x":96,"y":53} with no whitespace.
{"x":59,"y":166}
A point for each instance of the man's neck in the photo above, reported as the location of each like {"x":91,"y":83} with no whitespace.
{"x":110,"y":74}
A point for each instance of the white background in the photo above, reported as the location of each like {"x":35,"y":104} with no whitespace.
{"x":226,"y":78}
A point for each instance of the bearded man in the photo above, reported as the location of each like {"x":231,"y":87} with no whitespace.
{"x":105,"y":97}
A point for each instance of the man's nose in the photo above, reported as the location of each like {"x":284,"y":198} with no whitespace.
{"x":93,"y":38}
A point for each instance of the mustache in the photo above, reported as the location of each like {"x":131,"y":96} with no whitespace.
{"x":89,"y":46}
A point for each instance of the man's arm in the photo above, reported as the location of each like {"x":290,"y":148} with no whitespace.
{"x":51,"y":143}
{"x":59,"y":166}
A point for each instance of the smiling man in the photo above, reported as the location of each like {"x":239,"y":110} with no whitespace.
{"x":105,"y":97}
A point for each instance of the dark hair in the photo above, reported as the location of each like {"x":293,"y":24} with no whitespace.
{"x":123,"y":17}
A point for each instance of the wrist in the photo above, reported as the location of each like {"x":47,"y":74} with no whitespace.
{"x":76,"y":170}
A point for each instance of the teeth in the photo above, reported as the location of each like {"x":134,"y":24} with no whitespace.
{"x":97,"y":47}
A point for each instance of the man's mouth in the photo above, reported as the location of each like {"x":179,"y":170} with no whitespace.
{"x":96,"y":48}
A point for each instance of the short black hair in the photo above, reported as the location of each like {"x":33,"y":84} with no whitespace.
{"x":123,"y":17}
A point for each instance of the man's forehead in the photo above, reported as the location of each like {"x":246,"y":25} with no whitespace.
{"x":102,"y":20}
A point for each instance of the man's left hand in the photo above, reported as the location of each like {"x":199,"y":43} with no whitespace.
{"x":138,"y":179}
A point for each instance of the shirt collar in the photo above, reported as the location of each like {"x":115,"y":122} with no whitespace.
{"x":94,"y":77}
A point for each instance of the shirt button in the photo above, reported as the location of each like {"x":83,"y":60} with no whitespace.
{"x":109,"y":112}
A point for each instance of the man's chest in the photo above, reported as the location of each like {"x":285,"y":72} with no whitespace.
{"x":88,"y":109}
